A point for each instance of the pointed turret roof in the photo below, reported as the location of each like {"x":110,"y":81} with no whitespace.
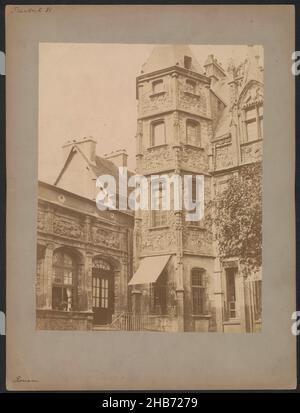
{"x":164,"y":56}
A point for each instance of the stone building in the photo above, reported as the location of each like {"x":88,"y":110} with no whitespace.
{"x":194,"y":121}
{"x":154,"y":270}
{"x":84,"y":255}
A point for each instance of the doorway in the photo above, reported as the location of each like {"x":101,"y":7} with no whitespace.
{"x":102,"y":292}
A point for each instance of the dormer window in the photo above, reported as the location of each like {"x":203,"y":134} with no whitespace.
{"x":158,"y":86}
{"x":190,"y":86}
{"x":187,"y":62}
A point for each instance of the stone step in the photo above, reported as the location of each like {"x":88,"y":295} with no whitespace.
{"x":105,"y":327}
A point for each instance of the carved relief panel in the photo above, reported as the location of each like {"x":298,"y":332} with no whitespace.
{"x":154,"y":99}
{"x":224,"y":157}
{"x":108,"y":238}
{"x":67,"y":226}
{"x":251,"y":152}
{"x":193,"y":100}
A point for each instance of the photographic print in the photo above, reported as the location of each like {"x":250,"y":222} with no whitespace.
{"x":150,"y":187}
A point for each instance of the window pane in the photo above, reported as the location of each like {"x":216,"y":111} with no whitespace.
{"x":68,"y":276}
{"x":261,"y":125}
{"x":198,"y":277}
{"x":251,"y":131}
{"x":158,"y":137}
{"x":67,"y":261}
{"x":192,"y":133}
{"x":58,"y":275}
{"x":251,"y":114}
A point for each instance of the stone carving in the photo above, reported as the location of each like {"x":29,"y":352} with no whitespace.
{"x":224,"y":156}
{"x":106,"y":238}
{"x":41,"y":221}
{"x":67,"y":227}
{"x":251,"y":152}
{"x":253,"y":96}
{"x":156,"y":102}
{"x":197,"y":240}
{"x":158,"y":158}
{"x":158,"y":240}
{"x":193,"y":102}
{"x":193,"y":158}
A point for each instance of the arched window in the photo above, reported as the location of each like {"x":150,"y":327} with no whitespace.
{"x":158,"y":133}
{"x":198,"y":290}
{"x":193,"y":133}
{"x":101,"y":264}
{"x":64,"y":282}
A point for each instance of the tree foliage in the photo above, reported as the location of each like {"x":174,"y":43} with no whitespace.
{"x":238,"y":218}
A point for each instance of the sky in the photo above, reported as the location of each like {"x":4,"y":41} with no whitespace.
{"x":89,"y":90}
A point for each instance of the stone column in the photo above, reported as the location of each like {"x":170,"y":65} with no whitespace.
{"x":88,"y":266}
{"x":240,"y":300}
{"x":179,"y":272}
{"x":48,"y":275}
{"x":136,"y":301}
{"x":137,"y":240}
{"x":40,"y":277}
{"x":123,"y":289}
{"x":219,"y":295}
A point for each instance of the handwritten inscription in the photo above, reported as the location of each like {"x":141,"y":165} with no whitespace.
{"x":41,"y":10}
{"x":20,"y":379}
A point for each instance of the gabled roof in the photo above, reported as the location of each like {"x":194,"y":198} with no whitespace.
{"x":100,"y":166}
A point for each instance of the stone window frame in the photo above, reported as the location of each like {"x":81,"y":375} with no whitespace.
{"x":231,"y":313}
{"x":66,"y":286}
{"x":198,"y":290}
{"x":153,"y":124}
{"x":197,"y":125}
{"x":258,"y":119}
{"x":154,"y":85}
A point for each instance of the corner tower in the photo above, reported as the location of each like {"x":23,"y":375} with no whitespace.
{"x":173,"y":257}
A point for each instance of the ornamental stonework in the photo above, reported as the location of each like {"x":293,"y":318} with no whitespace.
{"x":194,"y":158}
{"x":152,"y":103}
{"x":197,"y":240}
{"x":67,"y":227}
{"x":157,"y":159}
{"x":224,"y":156}
{"x":106,"y":238}
{"x":251,"y":152}
{"x":158,"y":240}
{"x":41,"y":220}
{"x":193,"y":102}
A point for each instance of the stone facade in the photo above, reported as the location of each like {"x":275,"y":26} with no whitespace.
{"x":215,"y":103}
{"x":73,"y":225}
{"x":190,"y":121}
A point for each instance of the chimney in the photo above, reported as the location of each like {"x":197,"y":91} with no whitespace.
{"x":119,"y":157}
{"x":87,"y":145}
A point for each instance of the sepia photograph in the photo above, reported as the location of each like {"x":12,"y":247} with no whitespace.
{"x":151,"y":244}
{"x":150,"y":187}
